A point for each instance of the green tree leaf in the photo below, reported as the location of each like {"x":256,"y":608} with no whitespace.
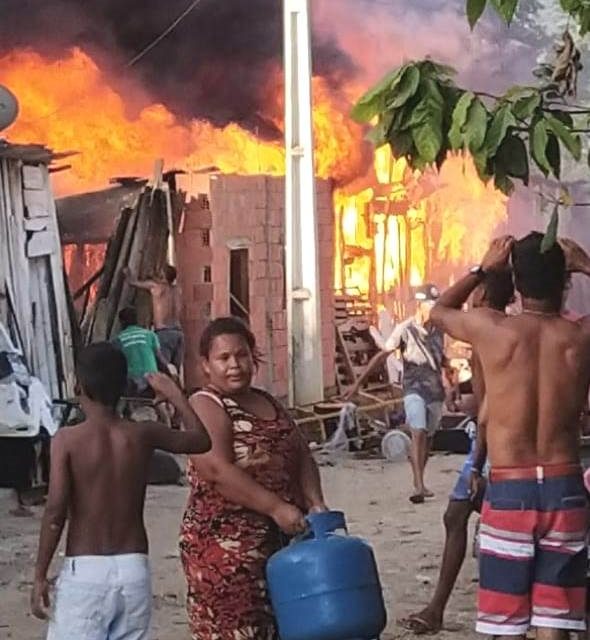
{"x":569,"y":5}
{"x":481,"y":161}
{"x":504,"y":183}
{"x":405,"y":89}
{"x":571,"y":141}
{"x":373,"y":101}
{"x":428,"y":136}
{"x":506,"y":8}
{"x":550,"y":237}
{"x":503,"y":119}
{"x":524,"y":107}
{"x":474,"y":10}
{"x":459,"y":118}
{"x":553,"y":154}
{"x":512,"y":159}
{"x":428,"y":141}
{"x":430,"y":67}
{"x":401,"y":143}
{"x":538,"y":144}
{"x":379,"y":134}
{"x":475,"y":126}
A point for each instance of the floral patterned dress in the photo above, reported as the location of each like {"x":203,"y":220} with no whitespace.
{"x":224,"y":547}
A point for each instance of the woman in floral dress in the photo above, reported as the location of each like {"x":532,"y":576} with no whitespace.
{"x":258,"y":480}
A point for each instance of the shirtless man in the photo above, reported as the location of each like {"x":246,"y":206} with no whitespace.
{"x":495,"y":292}
{"x":166,"y":307}
{"x":536,"y":368}
{"x":97,"y":482}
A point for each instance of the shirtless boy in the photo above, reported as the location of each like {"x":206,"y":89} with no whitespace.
{"x":536,"y":368}
{"x":166,"y":307}
{"x":97,"y":482}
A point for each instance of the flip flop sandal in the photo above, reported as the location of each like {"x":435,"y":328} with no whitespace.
{"x":417,"y":498}
{"x":418,"y":625}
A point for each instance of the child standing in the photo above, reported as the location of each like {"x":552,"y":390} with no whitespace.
{"x":97,"y":482}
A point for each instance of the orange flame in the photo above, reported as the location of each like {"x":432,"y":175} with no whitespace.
{"x":68,"y":104}
{"x":413,"y":226}
{"x":395,"y":229}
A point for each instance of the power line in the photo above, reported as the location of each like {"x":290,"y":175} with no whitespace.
{"x":169,"y":30}
{"x":133,"y":60}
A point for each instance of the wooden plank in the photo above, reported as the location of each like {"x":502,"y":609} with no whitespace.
{"x":35,"y":203}
{"x":41,"y":243}
{"x":18,"y":262}
{"x":35,"y":224}
{"x":62,"y":328}
{"x":33,"y":177}
{"x":43,"y":340}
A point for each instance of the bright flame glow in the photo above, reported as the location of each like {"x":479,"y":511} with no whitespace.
{"x":68,"y":104}
{"x":425,"y":227}
{"x":397,"y":229}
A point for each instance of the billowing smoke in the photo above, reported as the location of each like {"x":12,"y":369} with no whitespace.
{"x":216,"y":65}
{"x":221,"y":63}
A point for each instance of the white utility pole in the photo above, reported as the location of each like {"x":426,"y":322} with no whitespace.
{"x":303,"y":291}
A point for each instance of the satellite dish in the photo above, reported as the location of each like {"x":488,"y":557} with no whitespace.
{"x":8,"y":107}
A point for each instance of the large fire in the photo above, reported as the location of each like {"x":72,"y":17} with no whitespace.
{"x":69,"y":104}
{"x":394,"y":228}
{"x":409,"y":226}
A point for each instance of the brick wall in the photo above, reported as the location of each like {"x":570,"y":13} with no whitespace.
{"x":248,"y":212}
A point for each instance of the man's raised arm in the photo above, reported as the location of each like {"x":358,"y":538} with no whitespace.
{"x":447,"y":313}
{"x":148,"y":285}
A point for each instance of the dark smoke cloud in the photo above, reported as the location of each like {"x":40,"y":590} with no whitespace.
{"x":216,"y":65}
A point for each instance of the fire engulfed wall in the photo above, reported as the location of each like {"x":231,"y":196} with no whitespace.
{"x":241,"y":237}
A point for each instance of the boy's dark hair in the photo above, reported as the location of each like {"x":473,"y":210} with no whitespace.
{"x":128,"y":317}
{"x":540,"y":276}
{"x":229,"y":325}
{"x":499,"y":289}
{"x":102,"y":373}
{"x":170,"y":273}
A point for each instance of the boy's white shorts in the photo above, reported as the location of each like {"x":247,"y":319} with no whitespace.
{"x":102,"y":597}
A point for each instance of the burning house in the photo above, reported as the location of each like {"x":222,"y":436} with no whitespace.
{"x":383,"y":228}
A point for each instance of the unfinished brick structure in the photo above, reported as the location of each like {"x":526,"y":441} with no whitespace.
{"x":231,"y":260}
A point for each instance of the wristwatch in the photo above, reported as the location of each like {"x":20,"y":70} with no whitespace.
{"x":478,"y":271}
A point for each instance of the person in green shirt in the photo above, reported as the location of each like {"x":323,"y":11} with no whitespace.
{"x":141,"y":348}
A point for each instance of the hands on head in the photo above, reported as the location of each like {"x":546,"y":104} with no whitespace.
{"x":576,"y":258}
{"x":498,"y":255}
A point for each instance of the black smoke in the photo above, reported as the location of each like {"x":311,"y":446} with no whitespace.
{"x":216,"y":65}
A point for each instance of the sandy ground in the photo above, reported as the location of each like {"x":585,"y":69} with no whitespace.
{"x":407,"y":540}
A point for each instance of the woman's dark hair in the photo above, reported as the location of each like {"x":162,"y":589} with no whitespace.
{"x":499,"y":289}
{"x":229,"y":325}
{"x":539,"y":275}
{"x":128,"y":317}
{"x":102,"y":373}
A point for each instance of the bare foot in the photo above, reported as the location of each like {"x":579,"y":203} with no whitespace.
{"x":428,"y":493}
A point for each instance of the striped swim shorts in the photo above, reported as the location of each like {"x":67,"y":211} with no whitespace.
{"x":533,"y":554}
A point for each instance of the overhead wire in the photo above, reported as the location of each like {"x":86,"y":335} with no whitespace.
{"x":136,"y":58}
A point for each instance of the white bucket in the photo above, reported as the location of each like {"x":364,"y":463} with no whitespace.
{"x":395,"y":446}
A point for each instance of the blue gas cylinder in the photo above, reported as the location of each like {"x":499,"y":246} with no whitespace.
{"x":325,"y":585}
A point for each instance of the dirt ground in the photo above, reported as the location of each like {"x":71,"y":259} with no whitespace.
{"x":407,"y":540}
